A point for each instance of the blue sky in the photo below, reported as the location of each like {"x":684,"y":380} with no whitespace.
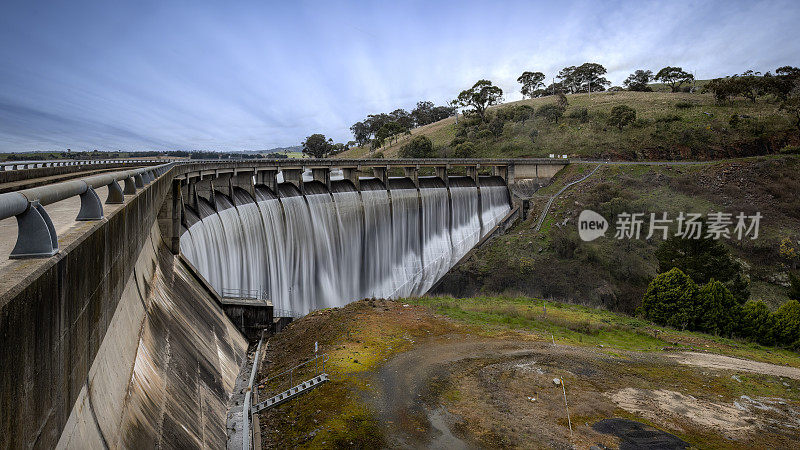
{"x":247,"y":75}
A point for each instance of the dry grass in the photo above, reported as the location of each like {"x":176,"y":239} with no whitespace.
{"x":661,"y":131}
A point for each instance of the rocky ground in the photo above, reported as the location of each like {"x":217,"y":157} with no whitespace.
{"x":422,"y":375}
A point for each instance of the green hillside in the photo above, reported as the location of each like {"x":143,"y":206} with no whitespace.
{"x":555,"y":262}
{"x":667,"y":126}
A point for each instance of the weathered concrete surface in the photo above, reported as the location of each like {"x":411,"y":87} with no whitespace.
{"x":55,"y":314}
{"x":164,"y":373}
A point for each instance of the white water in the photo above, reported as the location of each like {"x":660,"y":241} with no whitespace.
{"x":324,"y":250}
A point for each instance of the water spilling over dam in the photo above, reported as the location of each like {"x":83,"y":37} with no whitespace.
{"x":325,"y":248}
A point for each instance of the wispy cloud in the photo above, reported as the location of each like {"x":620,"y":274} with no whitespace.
{"x":253,"y":75}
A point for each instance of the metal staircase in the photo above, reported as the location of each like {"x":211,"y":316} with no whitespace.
{"x":319,"y":376}
{"x":291,"y":393}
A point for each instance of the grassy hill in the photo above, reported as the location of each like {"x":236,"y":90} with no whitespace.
{"x":554,"y":262}
{"x":668,"y":126}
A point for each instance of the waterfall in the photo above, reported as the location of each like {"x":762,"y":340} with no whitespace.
{"x":326,"y":248}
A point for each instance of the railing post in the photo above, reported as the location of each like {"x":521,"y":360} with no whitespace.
{"x":91,"y":207}
{"x":115,"y":195}
{"x":36,"y":236}
{"x":130,"y":186}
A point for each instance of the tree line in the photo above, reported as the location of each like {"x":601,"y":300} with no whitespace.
{"x":377,"y":129}
{"x":702,"y":288}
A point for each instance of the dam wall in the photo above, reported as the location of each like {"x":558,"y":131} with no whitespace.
{"x":327,"y":247}
{"x":165,"y":371}
{"x":55,"y":320}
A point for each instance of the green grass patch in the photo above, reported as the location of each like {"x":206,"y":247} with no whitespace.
{"x":581,"y":325}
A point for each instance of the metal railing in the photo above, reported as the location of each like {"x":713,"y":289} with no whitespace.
{"x":255,"y":294}
{"x":278,"y":312}
{"x":549,"y":203}
{"x":248,"y":398}
{"x":286,"y":379}
{"x":24,"y":165}
{"x":36,"y":233}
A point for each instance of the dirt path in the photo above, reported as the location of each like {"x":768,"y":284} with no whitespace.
{"x":506,"y":395}
{"x":720,"y":362}
{"x":408,"y":385}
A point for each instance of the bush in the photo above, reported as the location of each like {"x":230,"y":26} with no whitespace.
{"x":670,"y":299}
{"x":496,"y":125}
{"x":562,"y":100}
{"x":464,"y":150}
{"x":581,"y":115}
{"x":378,"y":155}
{"x":484,"y":134}
{"x":550,"y":112}
{"x":717,"y":309}
{"x":458,"y":140}
{"x":787,"y":323}
{"x":668,"y":118}
{"x":756,"y":323}
{"x":701,"y":259}
{"x":523,"y":113}
{"x":419,"y":147}
{"x":794,"y":287}
{"x":621,"y":116}
{"x":684,"y":105}
{"x":791,"y":150}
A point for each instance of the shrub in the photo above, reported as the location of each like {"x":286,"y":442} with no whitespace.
{"x":419,"y":147}
{"x":496,"y":125}
{"x":716,"y":308}
{"x":684,"y":105}
{"x":563,"y":243}
{"x":464,"y":150}
{"x":484,"y":134}
{"x":581,"y":115}
{"x":523,"y":113}
{"x":787,"y":323}
{"x":701,"y":259}
{"x":756,"y":323}
{"x":791,"y":150}
{"x":378,"y":155}
{"x":670,"y":299}
{"x":734,"y":121}
{"x":621,"y":116}
{"x":562,"y":100}
{"x":550,"y":112}
{"x":533,"y":135}
{"x":668,"y":118}
{"x":458,"y":140}
{"x":794,"y":287}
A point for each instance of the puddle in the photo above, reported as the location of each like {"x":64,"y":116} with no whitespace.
{"x":443,"y":437}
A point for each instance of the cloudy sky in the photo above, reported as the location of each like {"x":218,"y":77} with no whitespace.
{"x":246,"y":75}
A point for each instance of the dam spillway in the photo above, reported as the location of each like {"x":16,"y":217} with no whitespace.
{"x":326,"y":247}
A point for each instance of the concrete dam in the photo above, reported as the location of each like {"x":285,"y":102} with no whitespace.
{"x":327,"y":248}
{"x":112,"y":313}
